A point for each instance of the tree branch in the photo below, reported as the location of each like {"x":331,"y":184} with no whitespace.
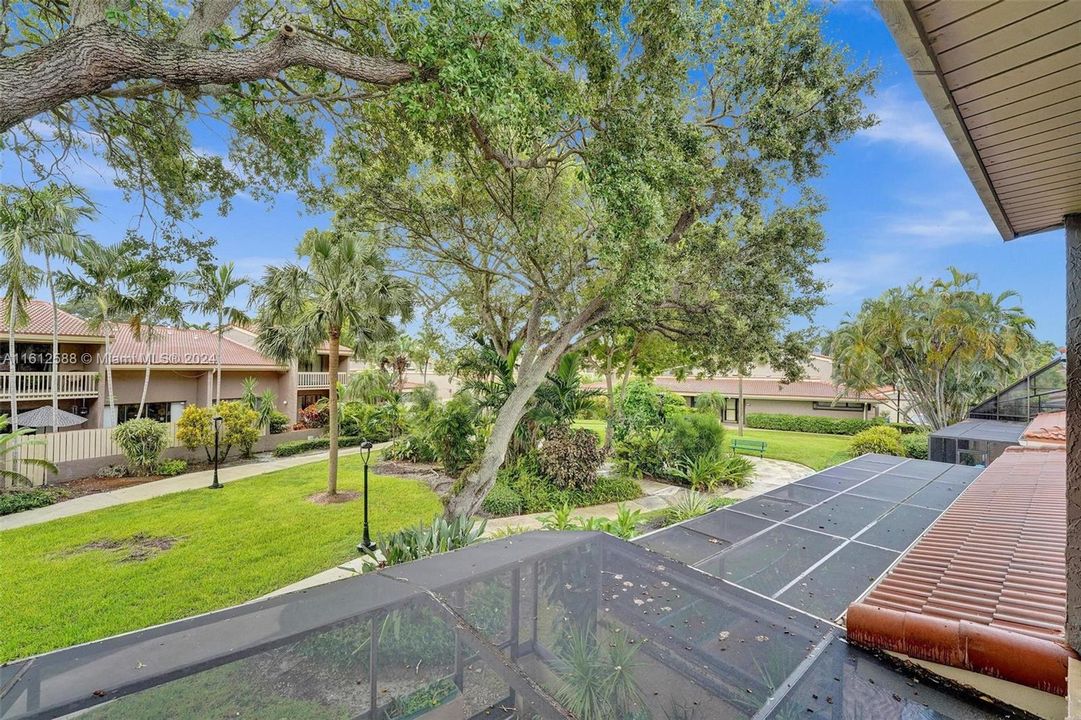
{"x":207,"y":15}
{"x":90,"y":60}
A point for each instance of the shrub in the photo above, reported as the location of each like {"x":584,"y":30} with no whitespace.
{"x":423,"y":540}
{"x":295,"y":447}
{"x":111,"y":471}
{"x":169,"y":468}
{"x":142,"y":441}
{"x":279,"y":422}
{"x":502,"y":500}
{"x":645,"y":406}
{"x":706,"y":472}
{"x":915,"y":445}
{"x":239,"y":427}
{"x":313,"y":416}
{"x":689,"y":505}
{"x":570,"y":457}
{"x":195,"y":429}
{"x":689,"y":436}
{"x":883,"y":440}
{"x":454,"y":434}
{"x":13,"y":501}
{"x":822,"y":425}
{"x":378,"y":423}
{"x":415,"y":446}
{"x":641,"y":453}
{"x":539,"y":494}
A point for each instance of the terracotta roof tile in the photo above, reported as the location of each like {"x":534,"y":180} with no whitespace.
{"x":985,"y":587}
{"x":1047,"y":428}
{"x":41,"y":322}
{"x":184,"y":347}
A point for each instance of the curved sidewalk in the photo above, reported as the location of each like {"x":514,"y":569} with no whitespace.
{"x":157,"y":488}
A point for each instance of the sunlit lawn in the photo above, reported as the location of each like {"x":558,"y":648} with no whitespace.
{"x":810,"y":449}
{"x":231,"y":545}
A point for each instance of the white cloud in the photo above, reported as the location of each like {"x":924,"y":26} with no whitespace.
{"x":941,"y":226}
{"x":906,"y":121}
{"x":862,"y":276}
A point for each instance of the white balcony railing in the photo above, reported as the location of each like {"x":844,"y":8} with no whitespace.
{"x":38,"y":385}
{"x":318,"y":380}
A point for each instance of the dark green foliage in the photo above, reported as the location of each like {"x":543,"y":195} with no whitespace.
{"x":689,"y":436}
{"x":502,"y":500}
{"x":454,"y":434}
{"x":279,"y":422}
{"x":646,"y":406}
{"x":570,"y":457}
{"x":422,"y":540}
{"x":13,"y":501}
{"x":822,"y":425}
{"x":295,"y":447}
{"x":143,"y":441}
{"x":538,"y":494}
{"x":641,"y":453}
{"x":915,"y":445}
{"x":378,"y":423}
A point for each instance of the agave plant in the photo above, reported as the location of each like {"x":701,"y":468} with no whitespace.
{"x":423,"y":540}
{"x":690,"y":504}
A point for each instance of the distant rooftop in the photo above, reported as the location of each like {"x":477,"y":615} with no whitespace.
{"x":40,"y":324}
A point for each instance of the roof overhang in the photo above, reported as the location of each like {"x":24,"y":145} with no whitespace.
{"x":1004,"y":81}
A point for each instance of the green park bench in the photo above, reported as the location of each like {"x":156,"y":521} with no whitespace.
{"x":755,"y":446}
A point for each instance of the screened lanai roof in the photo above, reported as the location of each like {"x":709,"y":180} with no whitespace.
{"x":1041,"y":391}
{"x":543,"y":625}
{"x":1002,"y":79}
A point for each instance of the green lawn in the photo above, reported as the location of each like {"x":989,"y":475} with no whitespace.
{"x":810,"y":449}
{"x":231,"y":545}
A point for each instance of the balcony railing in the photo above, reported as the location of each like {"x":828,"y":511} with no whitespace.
{"x":38,"y":385}
{"x":318,"y":380}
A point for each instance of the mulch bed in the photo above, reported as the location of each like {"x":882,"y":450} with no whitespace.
{"x":91,"y":485}
{"x":430,"y":473}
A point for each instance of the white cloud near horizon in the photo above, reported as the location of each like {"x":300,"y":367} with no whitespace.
{"x":906,"y":121}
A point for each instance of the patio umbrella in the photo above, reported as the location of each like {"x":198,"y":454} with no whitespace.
{"x":43,"y":417}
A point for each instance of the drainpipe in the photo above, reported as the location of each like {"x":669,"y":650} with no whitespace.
{"x":1073,"y":430}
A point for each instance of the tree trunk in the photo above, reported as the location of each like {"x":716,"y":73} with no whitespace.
{"x":217,"y":364}
{"x":146,"y":379}
{"x":610,"y":417}
{"x":740,"y":407}
{"x":476,"y":487}
{"x":55,"y":379}
{"x":109,"y":398}
{"x":11,"y":386}
{"x":332,"y":407}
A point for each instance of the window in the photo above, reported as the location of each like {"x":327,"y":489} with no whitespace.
{"x":845,"y":406}
{"x":155,"y":411}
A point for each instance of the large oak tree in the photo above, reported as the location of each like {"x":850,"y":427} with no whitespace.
{"x":669,"y":193}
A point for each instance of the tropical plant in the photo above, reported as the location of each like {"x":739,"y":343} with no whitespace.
{"x":264,"y":404}
{"x":211,"y":288}
{"x":641,"y":453}
{"x":703,"y":473}
{"x":367,"y":386}
{"x":570,"y":457}
{"x":413,"y":543}
{"x":392,"y":356}
{"x":916,"y":445}
{"x":688,"y":505}
{"x":559,"y":519}
{"x":454,"y":434}
{"x":142,"y":441}
{"x":625,"y":523}
{"x":711,"y":402}
{"x":239,"y":428}
{"x":598,"y":678}
{"x":195,"y":429}
{"x":152,"y":304}
{"x":883,"y":440}
{"x":562,"y":398}
{"x":947,"y":344}
{"x":47,"y":217}
{"x":98,"y":287}
{"x":689,"y":436}
{"x":19,"y":279}
{"x":343,"y":290}
{"x":12,"y":459}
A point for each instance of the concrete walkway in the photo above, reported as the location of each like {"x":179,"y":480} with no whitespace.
{"x":157,"y":488}
{"x":768,"y":475}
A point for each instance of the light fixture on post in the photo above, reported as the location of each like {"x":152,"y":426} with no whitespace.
{"x":366,"y":542}
{"x":217,"y":438}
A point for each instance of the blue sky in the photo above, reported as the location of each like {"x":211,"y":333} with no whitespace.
{"x":900,"y":205}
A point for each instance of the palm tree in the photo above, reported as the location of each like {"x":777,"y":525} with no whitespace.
{"x":48,"y":217}
{"x":212,"y":288}
{"x":152,"y":304}
{"x":18,"y":278}
{"x":393,"y":358}
{"x":11,"y":443}
{"x":342,"y":290}
{"x":98,"y":288}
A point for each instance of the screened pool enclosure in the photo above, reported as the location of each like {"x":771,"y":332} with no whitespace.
{"x":540,"y":625}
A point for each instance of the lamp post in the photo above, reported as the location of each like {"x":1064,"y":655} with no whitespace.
{"x":217,"y":437}
{"x":366,"y":541}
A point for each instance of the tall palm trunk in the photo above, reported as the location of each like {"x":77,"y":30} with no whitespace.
{"x":109,"y":398}
{"x":55,"y":379}
{"x":217,"y":362}
{"x":146,"y":377}
{"x":332,"y":408}
{"x":740,"y":407}
{"x":12,"y":315}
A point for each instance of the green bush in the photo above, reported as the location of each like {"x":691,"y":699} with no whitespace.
{"x":822,"y":425}
{"x":13,"y":501}
{"x":641,"y":453}
{"x":142,"y":441}
{"x":570,"y":457}
{"x":689,"y":436}
{"x":454,"y":434}
{"x":882,"y":440}
{"x":539,"y":494}
{"x":915,"y":445}
{"x":423,"y":540}
{"x":646,"y":406}
{"x":502,"y":500}
{"x":279,"y":422}
{"x":414,"y":446}
{"x":378,"y":423}
{"x":295,"y":447}
{"x":169,"y":468}
{"x":706,"y":472}
{"x":239,"y":428}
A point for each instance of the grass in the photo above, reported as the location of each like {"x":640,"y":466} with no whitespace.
{"x":810,"y":449}
{"x":232,"y":545}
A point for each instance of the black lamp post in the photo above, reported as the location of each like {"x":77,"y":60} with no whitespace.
{"x":366,"y":541}
{"x":217,"y":437}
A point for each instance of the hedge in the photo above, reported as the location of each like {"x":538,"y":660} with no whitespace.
{"x":823,"y":425}
{"x":13,"y":501}
{"x":295,"y":447}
